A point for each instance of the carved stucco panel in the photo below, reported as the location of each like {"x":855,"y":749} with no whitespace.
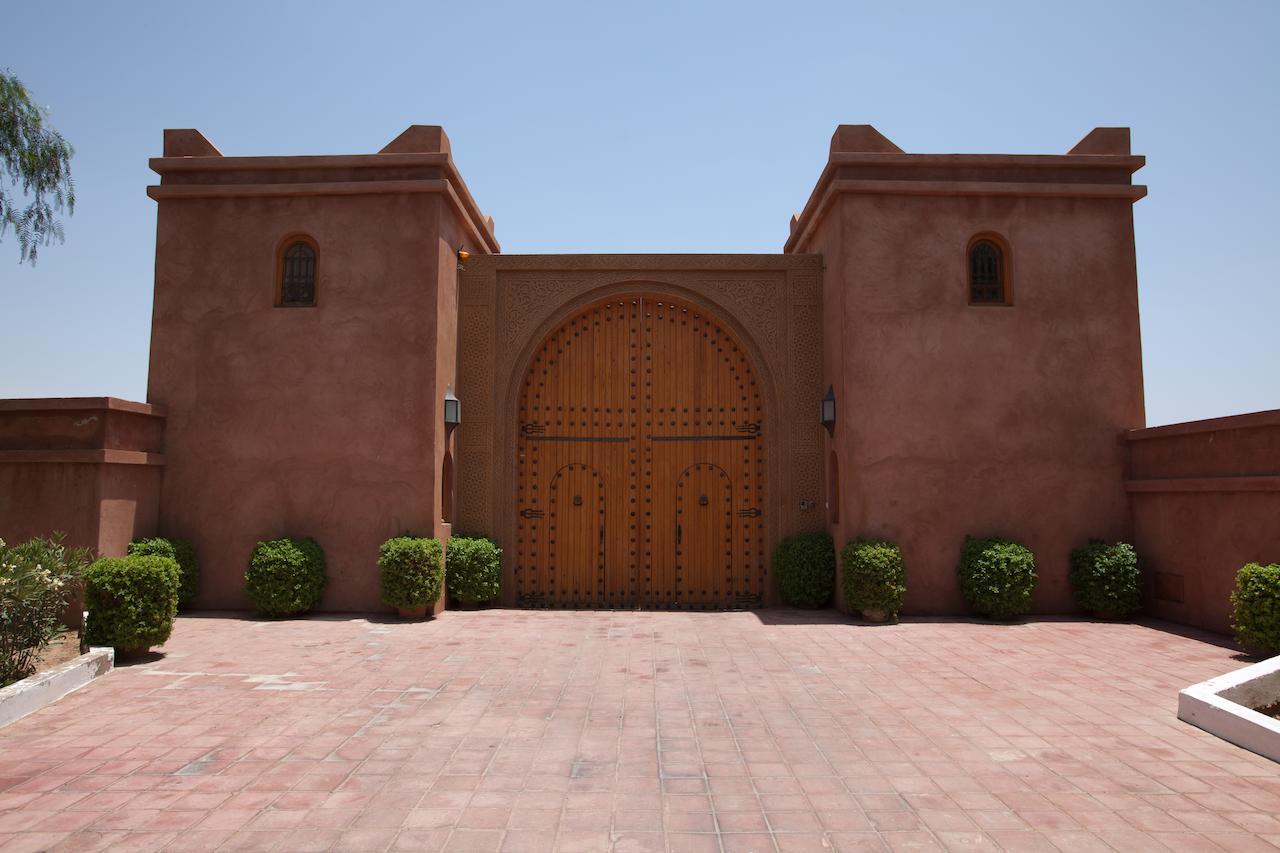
{"x":476,"y":356}
{"x":806,"y":358}
{"x":755,"y":302}
{"x":474,"y":474}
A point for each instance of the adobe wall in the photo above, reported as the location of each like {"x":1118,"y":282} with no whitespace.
{"x":958,"y":419}
{"x":88,"y":467}
{"x":1206,"y":500}
{"x":509,"y":303}
{"x":322,"y":421}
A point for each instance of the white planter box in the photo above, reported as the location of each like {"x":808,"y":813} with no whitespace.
{"x":31,"y":694}
{"x":1223,"y":706}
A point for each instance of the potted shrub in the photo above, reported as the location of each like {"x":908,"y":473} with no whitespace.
{"x":472,"y":569}
{"x":805,"y":566}
{"x":875,"y":580}
{"x":412,"y":574}
{"x":180,"y":551}
{"x":38,"y":580}
{"x":996,"y":577}
{"x":132,"y":602}
{"x":1105,"y":579}
{"x":1256,"y":607}
{"x":286,"y":576}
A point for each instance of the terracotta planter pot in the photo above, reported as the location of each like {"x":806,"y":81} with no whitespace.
{"x":412,"y":612}
{"x":132,"y":653}
{"x":875,"y":615}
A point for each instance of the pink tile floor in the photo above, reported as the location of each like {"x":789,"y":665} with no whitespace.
{"x":578,"y":731}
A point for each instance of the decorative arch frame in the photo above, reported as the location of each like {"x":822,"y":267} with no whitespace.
{"x":282,"y":249}
{"x":1005,"y":259}
{"x":771,"y":305}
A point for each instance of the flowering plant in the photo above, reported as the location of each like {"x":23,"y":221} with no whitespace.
{"x":38,"y":579}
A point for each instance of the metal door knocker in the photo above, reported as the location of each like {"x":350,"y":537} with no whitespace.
{"x":577,"y":500}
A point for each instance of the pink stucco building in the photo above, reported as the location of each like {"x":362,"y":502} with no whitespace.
{"x":638,"y":430}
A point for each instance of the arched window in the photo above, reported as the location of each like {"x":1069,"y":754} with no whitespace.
{"x":988,"y":271}
{"x":446,"y":488}
{"x":296,"y":279}
{"x":833,"y":489}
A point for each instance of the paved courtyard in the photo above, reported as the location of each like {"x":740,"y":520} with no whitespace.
{"x":578,"y":731}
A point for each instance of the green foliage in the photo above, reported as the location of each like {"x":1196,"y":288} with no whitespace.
{"x":38,"y":579}
{"x":37,"y":163}
{"x":286,"y":576}
{"x":412,"y":571}
{"x":1105,"y":578}
{"x":806,"y":569}
{"x":1256,"y":618}
{"x":874,"y":577}
{"x":132,"y":601}
{"x":473,"y":568}
{"x":179,"y":550}
{"x":996,"y":577}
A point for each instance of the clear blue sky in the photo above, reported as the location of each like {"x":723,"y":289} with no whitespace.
{"x":656,"y":127}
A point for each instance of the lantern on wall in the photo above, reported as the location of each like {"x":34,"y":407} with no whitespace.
{"x":452,"y":411}
{"x":829,"y":410}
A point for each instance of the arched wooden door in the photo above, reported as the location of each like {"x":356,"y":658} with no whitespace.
{"x":641,"y":471}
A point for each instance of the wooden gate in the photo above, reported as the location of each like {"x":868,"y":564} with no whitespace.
{"x":641,"y":472}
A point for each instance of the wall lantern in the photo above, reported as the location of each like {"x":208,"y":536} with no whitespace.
{"x":829,"y":411}
{"x":452,"y":411}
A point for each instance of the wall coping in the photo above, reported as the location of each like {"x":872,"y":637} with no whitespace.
{"x":83,"y":456}
{"x":1052,"y":166}
{"x":647,"y":262}
{"x":243,"y":178}
{"x":64,"y":404}
{"x":1252,"y":420}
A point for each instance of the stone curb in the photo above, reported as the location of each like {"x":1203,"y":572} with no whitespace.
{"x":1215,"y":706}
{"x":44,"y":688}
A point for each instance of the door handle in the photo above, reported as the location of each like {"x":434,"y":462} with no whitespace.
{"x":678,"y":534}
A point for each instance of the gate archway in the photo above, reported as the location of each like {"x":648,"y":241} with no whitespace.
{"x":640,"y":463}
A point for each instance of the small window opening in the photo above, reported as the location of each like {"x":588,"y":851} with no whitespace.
{"x":298,"y":275}
{"x":446,"y":488}
{"x":833,"y":489}
{"x":986,"y":274}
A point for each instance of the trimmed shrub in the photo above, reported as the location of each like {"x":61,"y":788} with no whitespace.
{"x":132,"y":601}
{"x":286,"y":576}
{"x":805,"y":565}
{"x":180,"y":551}
{"x":1105,"y":578}
{"x":996,"y":577}
{"x":472,"y":568}
{"x":874,"y":577}
{"x":38,"y":579}
{"x":1256,"y":617}
{"x":412,"y":571}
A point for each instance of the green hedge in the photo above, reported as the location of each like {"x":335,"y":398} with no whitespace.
{"x":996,"y":577}
{"x":286,"y":576}
{"x":132,"y":601}
{"x":805,"y":566}
{"x":874,"y":576}
{"x":473,"y":568}
{"x":1256,"y":617}
{"x":179,"y":550}
{"x":1105,"y":578}
{"x":412,"y":571}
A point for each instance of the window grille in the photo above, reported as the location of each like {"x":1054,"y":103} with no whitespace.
{"x":986,"y":273}
{"x":298,"y":275}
